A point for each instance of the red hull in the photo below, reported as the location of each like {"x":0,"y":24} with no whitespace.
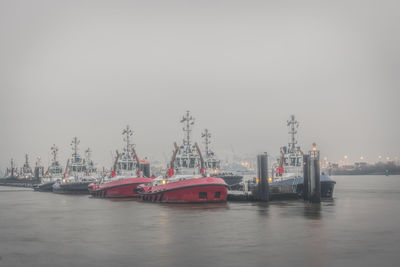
{"x":196,"y":190}
{"x":123,"y":188}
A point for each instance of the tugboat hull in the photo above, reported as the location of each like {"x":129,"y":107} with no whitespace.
{"x":196,"y":190}
{"x":13,"y":181}
{"x":46,"y":187}
{"x":295,"y":185}
{"x":123,"y":188}
{"x":233,"y":181}
{"x":327,"y":188}
{"x":71,"y":188}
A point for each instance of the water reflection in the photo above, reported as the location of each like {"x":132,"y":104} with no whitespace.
{"x":195,"y":207}
{"x":262,"y":208}
{"x":312,"y":211}
{"x":119,"y":199}
{"x":354,"y":229}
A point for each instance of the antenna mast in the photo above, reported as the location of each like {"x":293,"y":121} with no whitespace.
{"x":206,"y":135}
{"x":54,"y":151}
{"x":127,"y":132}
{"x":293,"y":126}
{"x":188,"y":129}
{"x":75,"y":142}
{"x":12,"y":168}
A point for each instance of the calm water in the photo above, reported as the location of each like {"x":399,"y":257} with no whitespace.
{"x":359,"y":227}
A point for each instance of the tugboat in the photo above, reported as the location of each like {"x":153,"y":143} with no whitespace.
{"x":38,"y":171}
{"x":12,"y":172}
{"x":287,"y":175}
{"x":22,"y":177}
{"x":79,"y":173}
{"x":53,"y":173}
{"x":11,"y":175}
{"x":26,"y":170}
{"x":125,"y":176}
{"x":186,"y":180}
{"x":213,"y":164}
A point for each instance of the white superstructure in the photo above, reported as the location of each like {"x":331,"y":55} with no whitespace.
{"x":55,"y":171}
{"x":290,"y":164}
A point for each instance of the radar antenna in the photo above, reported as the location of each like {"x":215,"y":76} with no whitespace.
{"x":74,"y":144}
{"x":189,"y":121}
{"x":26,"y":160}
{"x":206,"y":135}
{"x":293,"y":125}
{"x":54,"y":151}
{"x":127,"y":132}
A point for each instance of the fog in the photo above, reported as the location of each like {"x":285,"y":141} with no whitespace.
{"x":89,"y":68}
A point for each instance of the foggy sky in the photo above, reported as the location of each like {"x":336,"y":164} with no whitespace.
{"x":89,"y":68}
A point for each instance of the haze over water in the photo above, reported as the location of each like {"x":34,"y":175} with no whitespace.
{"x":359,"y":227}
{"x":88,"y":68}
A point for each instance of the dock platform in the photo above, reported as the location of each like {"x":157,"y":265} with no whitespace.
{"x":248,"y":196}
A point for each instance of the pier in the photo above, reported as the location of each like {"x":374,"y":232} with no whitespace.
{"x":311,"y":183}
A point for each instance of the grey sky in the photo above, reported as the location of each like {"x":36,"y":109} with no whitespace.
{"x":88,"y":68}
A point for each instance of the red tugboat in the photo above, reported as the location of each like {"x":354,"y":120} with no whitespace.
{"x":186,"y":180}
{"x":125,"y":176}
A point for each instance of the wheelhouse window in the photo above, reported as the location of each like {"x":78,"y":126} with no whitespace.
{"x":202,"y":195}
{"x":184,"y":163}
{"x":217,"y":195}
{"x":215,"y":165}
{"x":192,"y":162}
{"x":177,"y":163}
{"x":299,"y":160}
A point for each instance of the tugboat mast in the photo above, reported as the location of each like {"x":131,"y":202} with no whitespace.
{"x":125,"y":162}
{"x":128,"y":133}
{"x":54,"y":151}
{"x":206,"y":135}
{"x":188,"y":129}
{"x":89,"y":163}
{"x":75,"y":142}
{"x":12,"y":167}
{"x":26,"y":160}
{"x":293,"y":125}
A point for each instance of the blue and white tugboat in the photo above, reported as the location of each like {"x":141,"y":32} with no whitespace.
{"x":53,"y":173}
{"x":213,"y":165}
{"x":287,"y":173}
{"x":79,"y":173}
{"x":26,"y":170}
